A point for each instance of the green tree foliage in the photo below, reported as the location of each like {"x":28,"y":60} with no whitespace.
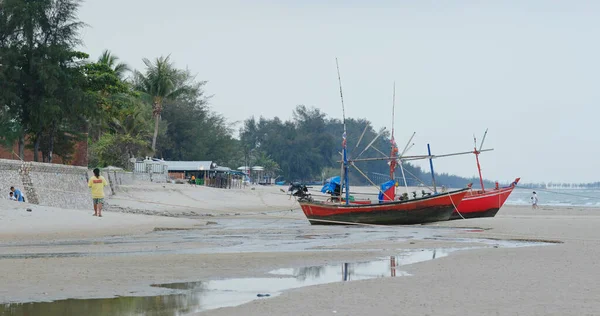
{"x":162,"y":82}
{"x":112,"y":61}
{"x":301,"y":147}
{"x":44,"y":89}
{"x":309,"y":147}
{"x":271,"y":168}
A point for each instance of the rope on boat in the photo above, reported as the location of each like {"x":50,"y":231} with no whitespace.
{"x":455,"y":208}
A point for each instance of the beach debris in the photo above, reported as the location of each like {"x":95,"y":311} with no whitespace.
{"x":211,"y":223}
{"x":29,"y":210}
{"x":161,"y":229}
{"x":263,"y":295}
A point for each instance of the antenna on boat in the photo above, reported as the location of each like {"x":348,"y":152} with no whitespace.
{"x":344,"y":179}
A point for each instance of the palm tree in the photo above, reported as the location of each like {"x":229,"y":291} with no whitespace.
{"x":111,"y":61}
{"x":162,"y":81}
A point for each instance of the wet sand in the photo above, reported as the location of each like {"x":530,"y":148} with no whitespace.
{"x":55,"y":258}
{"x":560,"y":279}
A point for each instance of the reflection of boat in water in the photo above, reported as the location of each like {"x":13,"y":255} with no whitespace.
{"x":348,"y":270}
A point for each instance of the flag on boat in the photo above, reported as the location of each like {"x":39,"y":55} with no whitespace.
{"x":393,"y":155}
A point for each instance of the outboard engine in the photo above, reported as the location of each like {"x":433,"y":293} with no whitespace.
{"x":300,"y":191}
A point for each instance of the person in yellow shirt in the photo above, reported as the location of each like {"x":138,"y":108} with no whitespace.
{"x":97,"y":184}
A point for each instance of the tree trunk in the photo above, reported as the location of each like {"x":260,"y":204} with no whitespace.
{"x":36,"y":146}
{"x":155,"y":134}
{"x":51,"y":141}
{"x":22,"y":146}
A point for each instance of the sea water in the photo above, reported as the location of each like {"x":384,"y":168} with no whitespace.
{"x":556,"y":197}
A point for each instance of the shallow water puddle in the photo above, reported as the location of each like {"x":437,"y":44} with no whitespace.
{"x":185,"y":298}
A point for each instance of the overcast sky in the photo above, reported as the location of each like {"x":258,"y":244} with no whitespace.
{"x":527,"y":70}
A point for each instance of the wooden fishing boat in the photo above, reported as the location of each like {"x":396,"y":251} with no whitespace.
{"x":426,"y":209}
{"x":388,"y":210}
{"x":482,"y":203}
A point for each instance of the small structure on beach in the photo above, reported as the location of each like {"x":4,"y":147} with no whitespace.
{"x":206,"y":173}
{"x":186,"y":169}
{"x":257,"y":174}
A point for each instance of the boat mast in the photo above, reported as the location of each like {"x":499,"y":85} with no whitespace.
{"x":431,"y":167}
{"x":392,"y":141}
{"x":344,"y":153}
{"x":477,"y":152}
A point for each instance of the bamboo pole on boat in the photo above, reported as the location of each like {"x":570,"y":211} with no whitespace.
{"x":393,"y":142}
{"x":361,"y":136}
{"x":371,"y":143}
{"x":431,"y":167}
{"x":344,"y":151}
{"x":476,"y":152}
{"x":406,"y":148}
{"x":417,"y":157}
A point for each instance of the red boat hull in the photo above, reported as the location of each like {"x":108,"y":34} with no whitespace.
{"x":418,"y":211}
{"x":483,"y":204}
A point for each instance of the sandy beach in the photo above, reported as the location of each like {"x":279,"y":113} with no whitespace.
{"x":210,"y":234}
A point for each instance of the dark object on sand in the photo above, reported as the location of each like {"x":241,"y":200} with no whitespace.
{"x":300,"y":191}
{"x":263,"y":295}
{"x":28,"y":210}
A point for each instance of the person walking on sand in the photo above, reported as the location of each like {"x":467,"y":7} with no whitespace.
{"x":97,"y":184}
{"x":534,"y":201}
{"x":193,"y":180}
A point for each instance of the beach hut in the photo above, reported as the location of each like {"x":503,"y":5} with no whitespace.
{"x":187,"y":169}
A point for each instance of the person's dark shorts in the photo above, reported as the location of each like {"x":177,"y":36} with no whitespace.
{"x":99,"y":201}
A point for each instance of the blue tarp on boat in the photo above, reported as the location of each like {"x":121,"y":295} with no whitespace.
{"x":384,"y":187}
{"x":330,"y":184}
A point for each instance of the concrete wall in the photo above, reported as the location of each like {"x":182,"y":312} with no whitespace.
{"x":9,"y":176}
{"x":47,"y":184}
{"x":61,"y":185}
